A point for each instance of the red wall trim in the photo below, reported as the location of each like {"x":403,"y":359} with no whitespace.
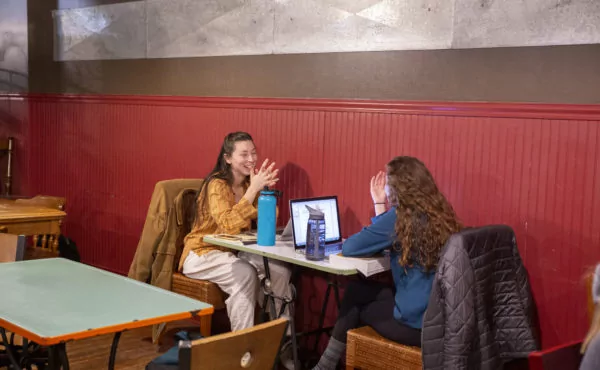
{"x":458,"y":109}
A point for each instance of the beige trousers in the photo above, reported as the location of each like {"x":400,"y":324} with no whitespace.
{"x":239,"y":277}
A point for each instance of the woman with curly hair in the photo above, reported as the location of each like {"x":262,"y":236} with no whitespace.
{"x":416,"y":227}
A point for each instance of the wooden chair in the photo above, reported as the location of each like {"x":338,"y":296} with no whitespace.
{"x":563,"y":357}
{"x":12,"y":247}
{"x":253,"y":348}
{"x":366,"y":349}
{"x":202,"y":290}
{"x":6,"y":149}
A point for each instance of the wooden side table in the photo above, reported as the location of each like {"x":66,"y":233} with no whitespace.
{"x":33,"y":221}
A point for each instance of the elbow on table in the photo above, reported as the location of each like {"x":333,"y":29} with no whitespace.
{"x":351,"y":250}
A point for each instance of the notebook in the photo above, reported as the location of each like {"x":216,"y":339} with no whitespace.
{"x":299,"y":218}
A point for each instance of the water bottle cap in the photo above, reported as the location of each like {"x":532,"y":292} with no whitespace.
{"x":268,"y":192}
{"x":315,"y":214}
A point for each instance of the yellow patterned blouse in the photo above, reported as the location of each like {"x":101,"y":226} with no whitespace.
{"x":224,"y":216}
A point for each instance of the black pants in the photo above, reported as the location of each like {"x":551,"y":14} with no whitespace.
{"x":372,"y":304}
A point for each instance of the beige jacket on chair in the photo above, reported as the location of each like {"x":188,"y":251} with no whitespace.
{"x":154,"y":258}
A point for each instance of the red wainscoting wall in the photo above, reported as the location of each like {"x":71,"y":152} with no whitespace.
{"x":533,"y":167}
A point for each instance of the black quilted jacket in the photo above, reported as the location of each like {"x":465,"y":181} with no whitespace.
{"x":480,"y":310}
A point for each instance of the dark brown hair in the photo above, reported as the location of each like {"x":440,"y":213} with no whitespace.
{"x":222,"y":169}
{"x":425,"y":218}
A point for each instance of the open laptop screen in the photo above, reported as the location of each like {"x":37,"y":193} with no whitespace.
{"x":299,"y":215}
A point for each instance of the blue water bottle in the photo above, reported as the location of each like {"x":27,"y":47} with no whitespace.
{"x":315,"y":235}
{"x":267,"y":217}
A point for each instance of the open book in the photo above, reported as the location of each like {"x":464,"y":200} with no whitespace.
{"x":365,"y":265}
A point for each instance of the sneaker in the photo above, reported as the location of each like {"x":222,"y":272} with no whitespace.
{"x":286,"y":356}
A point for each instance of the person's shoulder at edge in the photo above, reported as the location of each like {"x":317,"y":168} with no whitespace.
{"x":591,"y":358}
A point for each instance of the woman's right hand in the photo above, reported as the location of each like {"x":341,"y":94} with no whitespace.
{"x":265,"y":176}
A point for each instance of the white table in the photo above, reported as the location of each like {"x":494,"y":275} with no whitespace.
{"x":285,"y":251}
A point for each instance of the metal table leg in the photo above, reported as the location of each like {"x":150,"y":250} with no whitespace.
{"x":331,"y":284}
{"x":113,"y":351}
{"x":57,"y":354}
{"x":13,"y":356}
{"x":62,"y":354}
{"x":285,"y":302}
{"x":53,"y":363}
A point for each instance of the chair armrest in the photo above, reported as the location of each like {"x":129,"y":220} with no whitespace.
{"x":562,"y":357}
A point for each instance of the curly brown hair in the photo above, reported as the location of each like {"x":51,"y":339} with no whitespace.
{"x":424,"y":217}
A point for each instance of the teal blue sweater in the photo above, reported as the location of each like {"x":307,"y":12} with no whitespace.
{"x":413,"y":285}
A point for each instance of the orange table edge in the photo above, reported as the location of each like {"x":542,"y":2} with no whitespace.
{"x":49,"y":341}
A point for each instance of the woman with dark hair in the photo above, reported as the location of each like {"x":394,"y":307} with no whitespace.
{"x":416,"y":227}
{"x":226,"y":205}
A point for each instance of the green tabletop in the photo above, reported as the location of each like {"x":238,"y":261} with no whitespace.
{"x":283,"y":251}
{"x":53,"y":300}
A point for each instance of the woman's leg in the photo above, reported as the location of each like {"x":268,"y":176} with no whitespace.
{"x":234,"y":276}
{"x":358,"y":294}
{"x":380,"y":316}
{"x":281,"y":273}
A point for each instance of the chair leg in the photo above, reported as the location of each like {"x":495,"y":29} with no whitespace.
{"x":205,"y":325}
{"x":157,"y":332}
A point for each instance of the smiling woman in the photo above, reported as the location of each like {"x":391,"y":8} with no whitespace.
{"x":226,"y":205}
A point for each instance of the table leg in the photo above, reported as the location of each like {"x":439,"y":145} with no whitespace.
{"x":53,"y":358}
{"x":331,"y":284}
{"x":57,"y":357}
{"x":269,"y":297}
{"x":285,"y":301}
{"x":62,"y":354}
{"x":10,"y":350}
{"x":293,"y":336}
{"x":113,"y":351}
{"x":24,"y":355}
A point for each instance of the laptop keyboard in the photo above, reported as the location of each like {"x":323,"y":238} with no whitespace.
{"x":329,"y":249}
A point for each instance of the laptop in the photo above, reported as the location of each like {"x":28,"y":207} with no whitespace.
{"x":299,"y":218}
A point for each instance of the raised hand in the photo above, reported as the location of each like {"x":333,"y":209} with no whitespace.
{"x":378,"y":187}
{"x":265,"y":176}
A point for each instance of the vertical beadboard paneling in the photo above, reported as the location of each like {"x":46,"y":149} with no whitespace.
{"x":495,"y":170}
{"x":539,"y":175}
